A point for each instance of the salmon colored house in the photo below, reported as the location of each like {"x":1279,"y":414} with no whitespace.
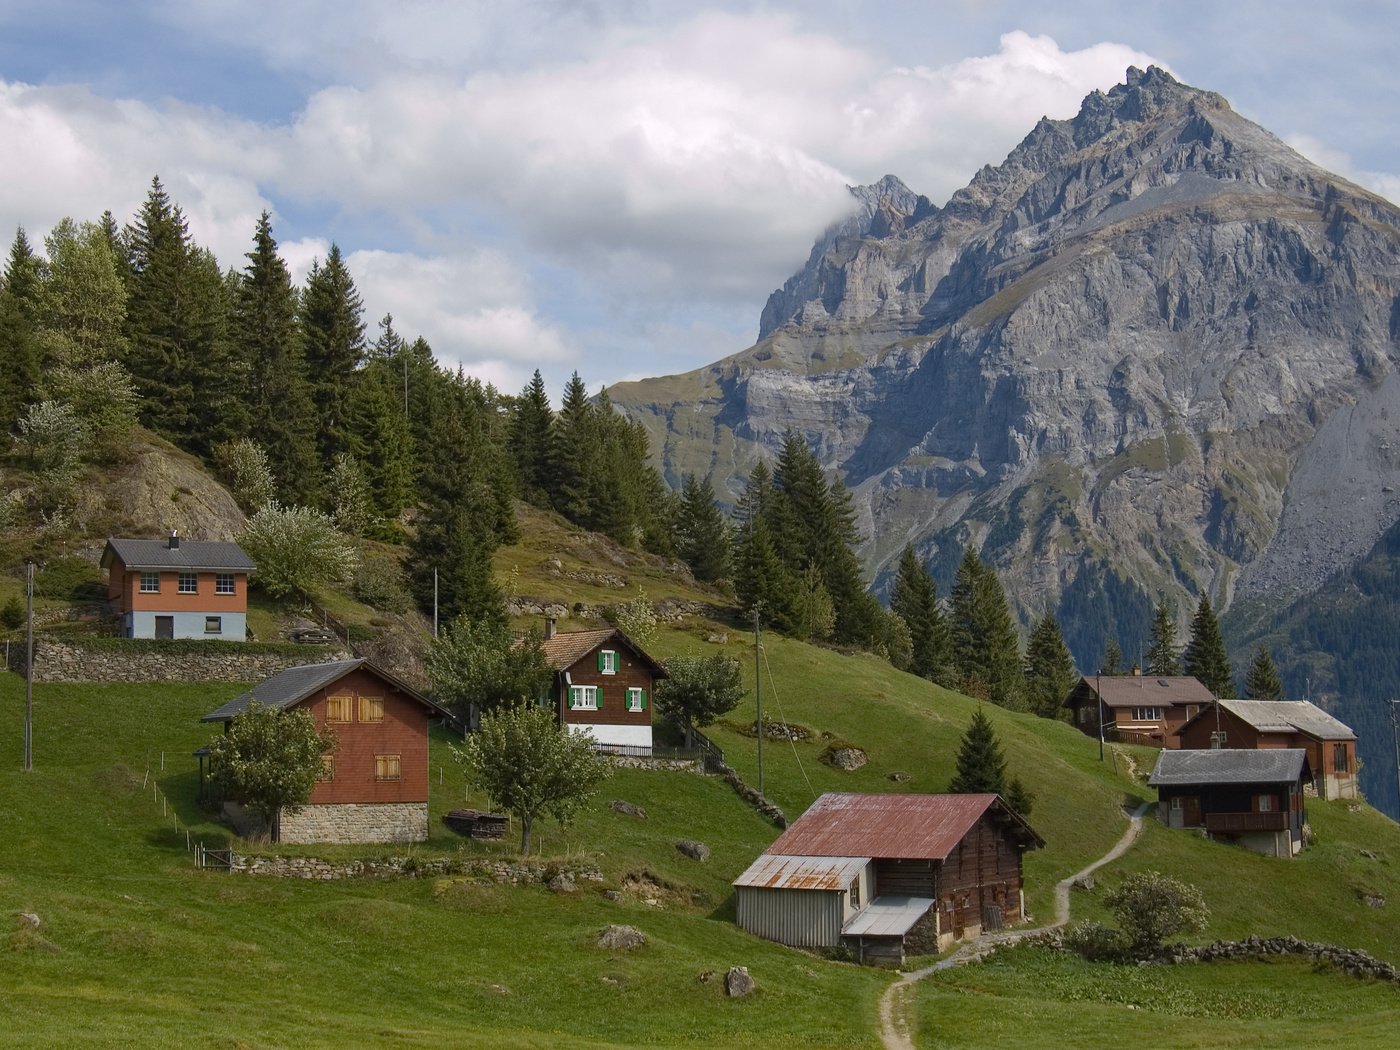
{"x":177,"y":588}
{"x":602,"y":685}
{"x":375,"y":785}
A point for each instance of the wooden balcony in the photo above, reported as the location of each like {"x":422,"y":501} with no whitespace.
{"x":1234,"y":823}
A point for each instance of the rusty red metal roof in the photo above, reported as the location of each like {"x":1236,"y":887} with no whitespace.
{"x":894,"y":826}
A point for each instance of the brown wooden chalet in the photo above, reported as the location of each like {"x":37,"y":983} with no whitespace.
{"x":1252,"y":798}
{"x":889,"y":874}
{"x":375,"y":785}
{"x":1267,"y":724}
{"x":602,"y":685}
{"x":1137,"y":708}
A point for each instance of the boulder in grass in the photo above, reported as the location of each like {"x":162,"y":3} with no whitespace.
{"x":738,"y":982}
{"x":630,"y":809}
{"x":621,"y":938}
{"x":694,"y":850}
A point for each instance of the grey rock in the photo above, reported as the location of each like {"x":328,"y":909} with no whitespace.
{"x":29,"y":919}
{"x":847,"y":758}
{"x":628,"y":808}
{"x":621,"y":938}
{"x":898,"y":777}
{"x":738,"y":982}
{"x":694,"y":850}
{"x":563,"y":883}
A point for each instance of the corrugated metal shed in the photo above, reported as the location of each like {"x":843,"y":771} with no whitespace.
{"x":896,"y":826}
{"x":802,"y":873}
{"x":1227,"y":766}
{"x":888,"y":917}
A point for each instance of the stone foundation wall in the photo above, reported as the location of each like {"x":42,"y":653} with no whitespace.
{"x":56,"y":661}
{"x":476,"y":870}
{"x":357,"y":822}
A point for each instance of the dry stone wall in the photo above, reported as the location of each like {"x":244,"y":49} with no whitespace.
{"x":57,"y":661}
{"x":357,"y":822}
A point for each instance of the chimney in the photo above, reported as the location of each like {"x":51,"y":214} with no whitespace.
{"x":1137,"y":671}
{"x":174,"y":539}
{"x":551,"y":627}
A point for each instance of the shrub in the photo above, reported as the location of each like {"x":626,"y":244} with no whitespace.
{"x":69,"y":579}
{"x":379,"y":583}
{"x":1152,"y":907}
{"x":636,"y":619}
{"x":12,"y":614}
{"x":296,"y":549}
{"x":245,"y":466}
{"x":1095,"y":941}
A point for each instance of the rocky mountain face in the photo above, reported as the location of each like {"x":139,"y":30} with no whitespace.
{"x":1150,"y":354}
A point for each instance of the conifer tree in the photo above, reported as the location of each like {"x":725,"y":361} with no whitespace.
{"x":19,"y":345}
{"x":914,"y":599}
{"x":981,"y":766}
{"x":1263,"y":682}
{"x":702,"y":539}
{"x":1205,"y":657}
{"x":1049,"y":668}
{"x":1162,"y":658}
{"x":532,"y":441}
{"x":1112,"y":662}
{"x":575,"y":443}
{"x":380,"y":440}
{"x":279,"y":396}
{"x":986,"y":649}
{"x":333,"y":333}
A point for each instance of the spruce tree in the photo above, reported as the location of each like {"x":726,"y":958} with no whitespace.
{"x":379,"y":439}
{"x":981,"y":766}
{"x":279,"y":396}
{"x":1263,"y":682}
{"x":914,"y":598}
{"x":1049,"y":668}
{"x":532,"y":441}
{"x":1162,"y":658}
{"x":986,"y":649}
{"x":1112,"y":662}
{"x":576,"y":446}
{"x":702,"y":539}
{"x":333,"y":334}
{"x":1205,"y":658}
{"x":19,"y":345}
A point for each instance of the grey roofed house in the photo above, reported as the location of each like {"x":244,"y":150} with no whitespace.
{"x":1224,"y":766}
{"x":295,"y":684}
{"x":209,"y":555}
{"x":1284,"y":716}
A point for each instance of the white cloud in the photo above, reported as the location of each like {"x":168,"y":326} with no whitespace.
{"x":1387,"y":184}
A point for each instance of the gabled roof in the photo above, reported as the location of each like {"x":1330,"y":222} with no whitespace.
{"x":894,"y":826}
{"x":1144,"y":690}
{"x":566,"y":649}
{"x":1228,"y":766}
{"x":1285,"y":716}
{"x":209,"y":555}
{"x":295,"y":684}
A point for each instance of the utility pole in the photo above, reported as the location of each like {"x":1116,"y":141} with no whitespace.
{"x":29,"y":669}
{"x":1098,"y":694}
{"x":758,"y":694}
{"x":1395,"y":736}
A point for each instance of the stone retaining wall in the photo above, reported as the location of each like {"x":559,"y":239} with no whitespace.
{"x":502,"y":872}
{"x":56,"y":661}
{"x":1349,"y":960}
{"x":357,"y":822}
{"x":670,"y":765}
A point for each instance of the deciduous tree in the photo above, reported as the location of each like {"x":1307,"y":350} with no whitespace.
{"x":477,"y":666}
{"x":1152,"y":907}
{"x":699,"y":689}
{"x":297,"y":550}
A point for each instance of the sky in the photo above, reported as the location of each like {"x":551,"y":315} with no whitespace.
{"x":612,"y":188}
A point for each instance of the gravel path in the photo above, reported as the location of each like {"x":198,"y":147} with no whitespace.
{"x":894,"y":1012}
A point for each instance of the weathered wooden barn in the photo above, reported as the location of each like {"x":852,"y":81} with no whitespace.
{"x":889,"y":875}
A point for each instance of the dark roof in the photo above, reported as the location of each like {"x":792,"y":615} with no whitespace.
{"x":895,"y":826}
{"x":295,"y":684}
{"x":1141,"y":690}
{"x":1286,"y":716}
{"x":564,"y":650}
{"x":209,"y":555}
{"x":1228,"y":766}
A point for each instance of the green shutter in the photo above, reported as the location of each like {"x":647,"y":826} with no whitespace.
{"x":600,"y":698}
{"x":570,"y":695}
{"x":644,"y":699}
{"x":600,"y":660}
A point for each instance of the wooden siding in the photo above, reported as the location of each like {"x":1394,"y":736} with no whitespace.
{"x":1239,"y":734}
{"x":984,"y":870}
{"x":632,"y":672}
{"x":403,"y":732}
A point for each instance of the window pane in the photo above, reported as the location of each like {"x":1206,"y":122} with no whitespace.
{"x":213,"y":625}
{"x":338,"y":708}
{"x":150,"y":583}
{"x":189,"y":583}
{"x":371,"y":709}
{"x":223,"y":583}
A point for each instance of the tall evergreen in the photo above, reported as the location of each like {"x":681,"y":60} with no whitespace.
{"x":19,"y":344}
{"x":915,"y":599}
{"x":532,"y":441}
{"x":986,"y":649}
{"x":981,"y":766}
{"x":575,"y":440}
{"x":279,"y":396}
{"x":333,"y":333}
{"x":1049,"y":668}
{"x":1112,"y":662}
{"x":702,"y":538}
{"x":1162,"y":655}
{"x":379,"y":438}
{"x":1263,"y":682}
{"x":1205,"y":657}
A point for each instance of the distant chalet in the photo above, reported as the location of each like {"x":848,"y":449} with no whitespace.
{"x":176,"y":588}
{"x":1137,"y":708}
{"x":602,"y":686}
{"x":1251,"y":798}
{"x":889,"y":874}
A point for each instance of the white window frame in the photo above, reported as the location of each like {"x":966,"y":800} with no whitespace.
{"x":607,"y":660}
{"x":1147,"y":714}
{"x":188,"y":583}
{"x":636,"y":700}
{"x":1266,"y":804}
{"x":150,"y":582}
{"x":224,"y":583}
{"x":583,"y":698}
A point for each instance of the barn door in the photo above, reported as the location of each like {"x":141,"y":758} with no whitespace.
{"x":1191,"y":811}
{"x":165,"y":627}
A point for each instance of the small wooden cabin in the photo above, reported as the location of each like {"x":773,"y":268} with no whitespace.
{"x":1136,"y":708}
{"x":375,"y":785}
{"x":602,"y":685}
{"x":1251,"y":798}
{"x":1268,"y":724}
{"x":889,"y":875}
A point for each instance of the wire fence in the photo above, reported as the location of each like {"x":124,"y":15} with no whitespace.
{"x":201,"y":853}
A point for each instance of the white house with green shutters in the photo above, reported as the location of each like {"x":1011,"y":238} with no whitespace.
{"x":602,"y":686}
